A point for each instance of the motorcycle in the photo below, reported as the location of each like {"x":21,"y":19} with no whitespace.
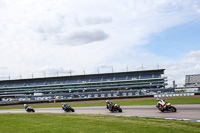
{"x":166,"y":107}
{"x":68,"y":109}
{"x":30,"y":109}
{"x":113,"y":107}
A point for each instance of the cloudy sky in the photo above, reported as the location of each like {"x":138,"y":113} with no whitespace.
{"x":50,"y":37}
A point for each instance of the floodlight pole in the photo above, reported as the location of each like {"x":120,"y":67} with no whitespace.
{"x":70,"y":73}
{"x":158,"y":66}
{"x":112,"y":69}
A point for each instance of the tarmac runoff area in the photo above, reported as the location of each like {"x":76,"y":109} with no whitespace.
{"x":184,"y":111}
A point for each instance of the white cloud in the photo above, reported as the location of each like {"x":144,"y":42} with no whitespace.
{"x":196,"y":7}
{"x":43,"y":35}
{"x":194,"y":54}
{"x":178,"y":69}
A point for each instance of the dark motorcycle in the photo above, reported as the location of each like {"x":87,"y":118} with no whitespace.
{"x":113,"y":107}
{"x":68,"y":109}
{"x":168,"y":107}
{"x":30,"y":109}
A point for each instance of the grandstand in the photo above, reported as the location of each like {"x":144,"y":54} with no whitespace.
{"x":192,"y":80}
{"x":83,"y":86}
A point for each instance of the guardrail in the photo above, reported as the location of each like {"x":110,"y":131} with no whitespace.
{"x":83,"y":96}
{"x":175,"y":95}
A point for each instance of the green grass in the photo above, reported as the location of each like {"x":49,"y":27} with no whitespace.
{"x":194,"y":100}
{"x":73,"y":123}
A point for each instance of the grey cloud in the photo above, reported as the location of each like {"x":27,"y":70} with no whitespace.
{"x":97,"y":20}
{"x":85,"y":37}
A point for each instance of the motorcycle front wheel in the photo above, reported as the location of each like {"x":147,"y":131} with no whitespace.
{"x":120,"y":110}
{"x":173,"y":109}
{"x":72,"y":110}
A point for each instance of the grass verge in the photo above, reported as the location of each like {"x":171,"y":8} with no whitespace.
{"x":51,"y":123}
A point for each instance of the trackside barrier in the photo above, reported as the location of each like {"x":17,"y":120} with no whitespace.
{"x":82,"y":96}
{"x":174,"y":95}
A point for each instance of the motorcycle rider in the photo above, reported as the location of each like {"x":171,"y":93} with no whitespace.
{"x":161,"y":103}
{"x":107,"y":101}
{"x":26,"y":106}
{"x":64,"y":105}
{"x":109,"y":104}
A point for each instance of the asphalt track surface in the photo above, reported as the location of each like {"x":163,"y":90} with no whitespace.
{"x":184,"y":111}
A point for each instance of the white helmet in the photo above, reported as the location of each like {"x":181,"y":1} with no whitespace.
{"x":158,"y":99}
{"x":107,"y":101}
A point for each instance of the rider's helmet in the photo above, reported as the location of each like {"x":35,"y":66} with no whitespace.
{"x":62,"y":103}
{"x":107,"y":101}
{"x":158,"y":99}
{"x":24,"y":105}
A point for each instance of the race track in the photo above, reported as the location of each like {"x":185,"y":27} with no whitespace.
{"x":186,"y":111}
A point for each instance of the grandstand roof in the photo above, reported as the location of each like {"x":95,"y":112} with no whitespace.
{"x":160,"y":71}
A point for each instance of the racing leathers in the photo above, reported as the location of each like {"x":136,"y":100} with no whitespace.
{"x":161,"y":104}
{"x":64,"y":105}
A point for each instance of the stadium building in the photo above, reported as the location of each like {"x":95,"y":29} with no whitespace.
{"x":119,"y":84}
{"x":192,"y":80}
